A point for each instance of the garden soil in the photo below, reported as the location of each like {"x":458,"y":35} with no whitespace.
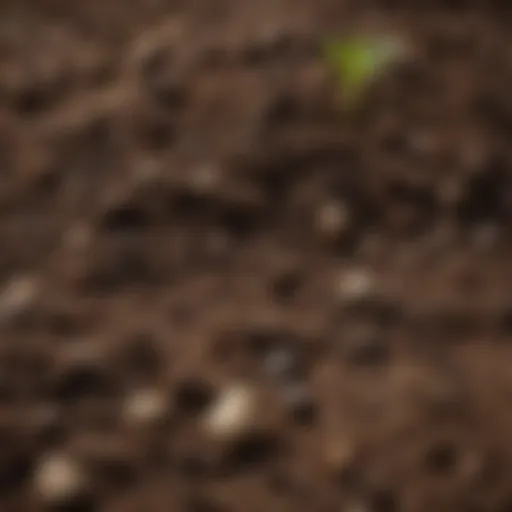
{"x":189,"y":209}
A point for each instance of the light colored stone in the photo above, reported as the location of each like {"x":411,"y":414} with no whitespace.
{"x":232,"y":414}
{"x":58,"y":478}
{"x":144,"y":406}
{"x":356,"y":284}
{"x":332,"y":219}
{"x":18,"y":296}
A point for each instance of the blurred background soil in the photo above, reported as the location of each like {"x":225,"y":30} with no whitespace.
{"x":220,"y":293}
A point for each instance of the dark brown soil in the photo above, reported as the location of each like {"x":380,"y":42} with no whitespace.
{"x":185,"y":204}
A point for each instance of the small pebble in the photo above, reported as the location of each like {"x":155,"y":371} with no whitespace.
{"x":332,"y":220}
{"x":59,"y":479}
{"x":18,"y":296}
{"x":144,"y":406}
{"x":356,"y":285}
{"x":232,"y":414}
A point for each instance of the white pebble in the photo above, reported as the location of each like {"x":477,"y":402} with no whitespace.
{"x":356,"y":284}
{"x":232,"y":414}
{"x":144,"y":406}
{"x":17,"y":297}
{"x":59,"y":478}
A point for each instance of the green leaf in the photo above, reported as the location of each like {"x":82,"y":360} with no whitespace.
{"x":358,"y":61}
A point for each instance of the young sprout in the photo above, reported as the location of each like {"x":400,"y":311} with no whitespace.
{"x":358,"y":61}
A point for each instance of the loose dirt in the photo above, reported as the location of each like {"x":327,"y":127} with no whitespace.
{"x":186,"y":209}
